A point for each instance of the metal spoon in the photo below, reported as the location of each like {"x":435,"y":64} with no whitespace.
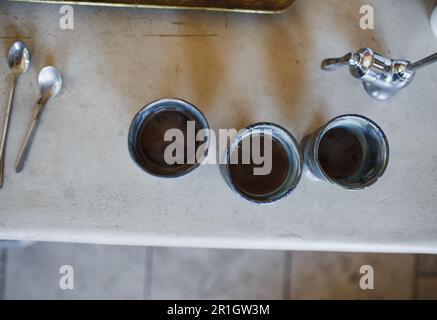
{"x":50,"y":84}
{"x":18,"y":60}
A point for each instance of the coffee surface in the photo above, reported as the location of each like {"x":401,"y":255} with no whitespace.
{"x":340,"y":153}
{"x":247,"y":182}
{"x":151,"y":146}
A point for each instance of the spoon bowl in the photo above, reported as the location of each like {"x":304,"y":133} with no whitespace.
{"x":49,"y":82}
{"x":18,"y":58}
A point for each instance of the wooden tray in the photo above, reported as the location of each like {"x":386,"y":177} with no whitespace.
{"x":252,"y":6}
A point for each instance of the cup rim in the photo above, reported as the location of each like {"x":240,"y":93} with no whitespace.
{"x":159,"y":104}
{"x":240,"y":136}
{"x":326,"y":128}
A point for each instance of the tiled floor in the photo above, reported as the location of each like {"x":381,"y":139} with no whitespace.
{"x":115,"y":272}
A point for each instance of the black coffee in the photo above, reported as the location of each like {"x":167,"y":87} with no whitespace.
{"x":340,"y":153}
{"x":247,"y":182}
{"x":151,"y":146}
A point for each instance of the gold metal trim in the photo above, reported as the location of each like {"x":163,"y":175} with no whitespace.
{"x":248,"y":6}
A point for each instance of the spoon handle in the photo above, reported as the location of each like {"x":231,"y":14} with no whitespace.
{"x":423,"y":63}
{"x":6,"y":129}
{"x":24,"y":151}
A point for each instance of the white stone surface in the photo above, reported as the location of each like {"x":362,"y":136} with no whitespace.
{"x":80,"y":184}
